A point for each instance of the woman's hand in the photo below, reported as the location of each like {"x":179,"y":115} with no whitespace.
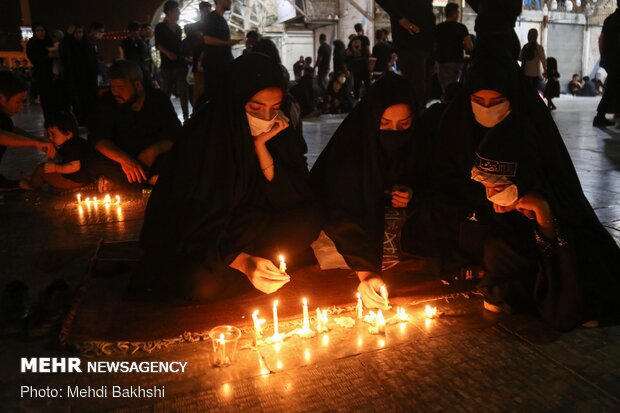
{"x":401,"y":195}
{"x":262,"y":273}
{"x":370,"y":290}
{"x":535,"y":206}
{"x":279,"y":125}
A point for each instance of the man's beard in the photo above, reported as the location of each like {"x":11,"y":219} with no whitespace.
{"x":128,"y":103}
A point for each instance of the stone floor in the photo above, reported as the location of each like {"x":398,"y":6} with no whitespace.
{"x":463,"y":361}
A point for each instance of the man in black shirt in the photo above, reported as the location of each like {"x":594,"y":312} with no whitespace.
{"x":133,"y":48}
{"x":382,"y":52}
{"x":13,"y":94}
{"x":198,"y":29}
{"x":359,"y":29}
{"x":173,"y":65}
{"x":609,"y":47}
{"x":134,"y":129}
{"x":218,"y":48}
{"x":452,"y":39}
{"x":298,"y":68}
{"x":413,"y":31}
{"x":324,"y":56}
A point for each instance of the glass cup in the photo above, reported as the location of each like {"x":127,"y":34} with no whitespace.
{"x":224,"y":339}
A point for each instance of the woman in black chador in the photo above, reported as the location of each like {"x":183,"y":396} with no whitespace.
{"x":496,"y":91}
{"x":548,"y":252}
{"x":237,"y":194}
{"x":364,"y":168}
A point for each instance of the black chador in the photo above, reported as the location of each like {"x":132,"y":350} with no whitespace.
{"x":354,"y":176}
{"x":459,"y":135}
{"x":215,"y":202}
{"x":568,"y":277}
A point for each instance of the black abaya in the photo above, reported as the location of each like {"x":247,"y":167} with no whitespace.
{"x":355,"y":171}
{"x":568,"y":280}
{"x":459,"y":135}
{"x":215,"y":202}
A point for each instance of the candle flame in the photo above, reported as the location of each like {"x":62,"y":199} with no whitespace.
{"x":380,"y":319}
{"x":430,"y":312}
{"x":401,"y":314}
{"x":275,"y":304}
{"x":358,"y":296}
{"x":106,"y":199}
{"x":222,"y":340}
{"x":305,"y":301}
{"x":384,"y":292}
{"x":118,"y":199}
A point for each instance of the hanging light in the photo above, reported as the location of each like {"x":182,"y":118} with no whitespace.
{"x":577,"y":3}
{"x":554,"y":5}
{"x":569,"y":5}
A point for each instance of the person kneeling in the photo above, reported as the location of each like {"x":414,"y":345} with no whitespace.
{"x":549,"y":255}
{"x":134,"y":130}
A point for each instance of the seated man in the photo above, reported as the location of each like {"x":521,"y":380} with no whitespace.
{"x":13,"y":94}
{"x":134,"y":128}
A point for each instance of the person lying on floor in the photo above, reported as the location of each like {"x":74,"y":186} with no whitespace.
{"x":13,"y":94}
{"x":236,"y":196}
{"x":548,"y":254}
{"x":366,"y":168}
{"x":65,"y":171}
{"x":133,"y":131}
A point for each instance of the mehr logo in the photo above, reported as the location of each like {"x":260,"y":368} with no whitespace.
{"x":51,"y":365}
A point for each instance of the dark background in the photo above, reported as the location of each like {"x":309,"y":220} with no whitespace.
{"x":57,"y":14}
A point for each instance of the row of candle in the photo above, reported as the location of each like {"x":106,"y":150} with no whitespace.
{"x":107,"y":200}
{"x":376,"y":319}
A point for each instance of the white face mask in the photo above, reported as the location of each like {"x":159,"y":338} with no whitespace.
{"x":259,"y":126}
{"x":507,"y":197}
{"x":491,"y":116}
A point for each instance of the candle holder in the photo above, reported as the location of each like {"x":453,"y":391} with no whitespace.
{"x":224,"y":339}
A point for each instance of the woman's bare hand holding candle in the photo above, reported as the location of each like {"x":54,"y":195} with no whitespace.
{"x":370,"y":289}
{"x":261,"y":272}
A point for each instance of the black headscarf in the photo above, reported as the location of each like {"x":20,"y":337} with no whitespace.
{"x":355,"y":169}
{"x":593,"y":250}
{"x":214,"y":175}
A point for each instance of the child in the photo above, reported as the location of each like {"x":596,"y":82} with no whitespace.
{"x":552,"y":88}
{"x":13,"y":93}
{"x":66,"y":172}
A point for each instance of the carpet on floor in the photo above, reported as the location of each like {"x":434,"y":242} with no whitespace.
{"x":104,"y":321}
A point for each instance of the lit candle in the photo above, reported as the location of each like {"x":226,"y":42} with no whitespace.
{"x":106,"y":199}
{"x":258,"y":325}
{"x":430,"y":312}
{"x":276,"y":333}
{"x":306,"y":325}
{"x":95,"y":200}
{"x":223,"y":344}
{"x":321,"y":320}
{"x":118,"y":199}
{"x":79,"y":198}
{"x":384,"y":294}
{"x":359,"y":307}
{"x":282,"y":264}
{"x":87,"y":201}
{"x":401,"y":314}
{"x":380,"y":323}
